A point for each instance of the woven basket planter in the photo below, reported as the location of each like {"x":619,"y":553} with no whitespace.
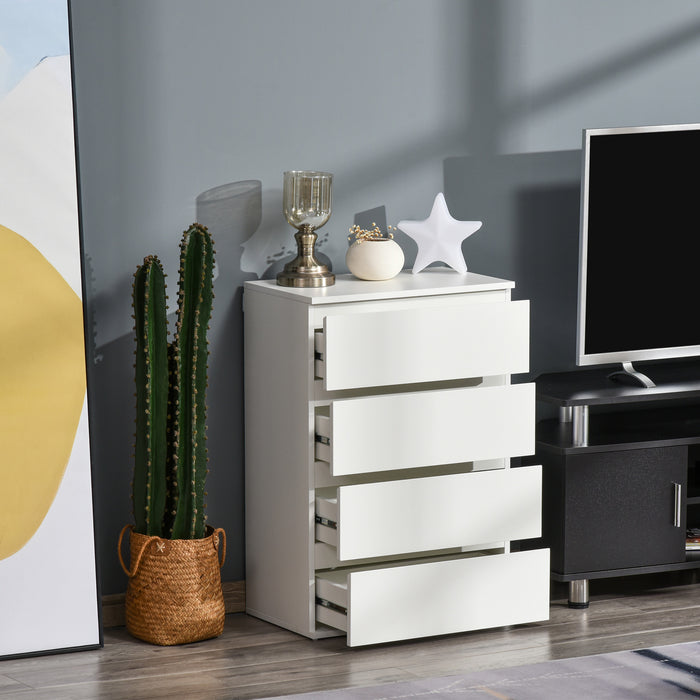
{"x":174,"y":594}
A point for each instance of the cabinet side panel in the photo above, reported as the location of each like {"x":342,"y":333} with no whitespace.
{"x":278,"y":361}
{"x":553,"y":500}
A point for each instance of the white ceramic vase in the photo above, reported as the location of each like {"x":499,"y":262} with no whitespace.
{"x":375,"y":260}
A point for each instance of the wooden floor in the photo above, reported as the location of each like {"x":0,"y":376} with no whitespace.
{"x":253,"y":659}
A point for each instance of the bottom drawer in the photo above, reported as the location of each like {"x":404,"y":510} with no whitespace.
{"x":437,"y":597}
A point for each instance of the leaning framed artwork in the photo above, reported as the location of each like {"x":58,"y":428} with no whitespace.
{"x":48,"y":581}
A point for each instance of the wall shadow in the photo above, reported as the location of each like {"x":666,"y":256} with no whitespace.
{"x":232,"y":213}
{"x":529,"y":204}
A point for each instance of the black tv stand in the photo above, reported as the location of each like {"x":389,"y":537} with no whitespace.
{"x":621,"y":473}
{"x":630,"y":376}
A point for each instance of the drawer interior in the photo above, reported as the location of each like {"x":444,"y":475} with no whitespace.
{"x":327,"y":520}
{"x":332,"y":600}
{"x":332,"y":586}
{"x":322,"y":447}
{"x":319,"y":354}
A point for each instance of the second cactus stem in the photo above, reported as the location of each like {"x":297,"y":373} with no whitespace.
{"x":191,"y":355}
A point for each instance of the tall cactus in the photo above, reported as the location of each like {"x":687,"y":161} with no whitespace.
{"x":191,"y":357}
{"x":171,"y":379}
{"x":151,"y":397}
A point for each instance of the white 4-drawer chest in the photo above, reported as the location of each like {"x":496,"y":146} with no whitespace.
{"x":380,"y":422}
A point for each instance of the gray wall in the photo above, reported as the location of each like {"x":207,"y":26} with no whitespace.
{"x":191,"y":110}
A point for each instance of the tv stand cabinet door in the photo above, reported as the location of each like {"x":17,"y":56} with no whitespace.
{"x":619,"y":509}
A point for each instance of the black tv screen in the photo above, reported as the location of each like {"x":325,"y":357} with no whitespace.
{"x":639,"y":277}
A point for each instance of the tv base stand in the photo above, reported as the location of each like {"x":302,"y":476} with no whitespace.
{"x":629,"y":375}
{"x":621,"y":474}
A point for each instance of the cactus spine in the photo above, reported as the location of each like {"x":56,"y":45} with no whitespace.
{"x":171,"y":379}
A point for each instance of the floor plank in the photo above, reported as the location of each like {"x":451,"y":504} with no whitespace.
{"x":9,"y":685}
{"x":254,"y":659}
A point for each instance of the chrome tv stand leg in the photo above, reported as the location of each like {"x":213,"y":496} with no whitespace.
{"x":629,"y":375}
{"x":578,"y":417}
{"x":578,"y":594}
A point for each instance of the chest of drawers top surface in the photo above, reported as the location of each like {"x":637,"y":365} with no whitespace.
{"x":348,"y":288}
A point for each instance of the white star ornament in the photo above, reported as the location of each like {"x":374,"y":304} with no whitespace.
{"x":439,"y":237}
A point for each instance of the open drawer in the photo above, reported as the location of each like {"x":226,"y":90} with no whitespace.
{"x":407,"y":346}
{"x":400,"y":431}
{"x":436,"y":597}
{"x":431,"y":513}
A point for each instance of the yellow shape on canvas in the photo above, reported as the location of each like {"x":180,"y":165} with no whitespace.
{"x":42,"y":386}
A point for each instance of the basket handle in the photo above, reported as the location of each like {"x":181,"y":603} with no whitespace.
{"x":131,"y":574}
{"x":219,"y":533}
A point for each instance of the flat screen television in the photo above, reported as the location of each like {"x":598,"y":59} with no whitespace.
{"x":639,"y":253}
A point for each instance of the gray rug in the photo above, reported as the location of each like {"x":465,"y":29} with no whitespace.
{"x":660,"y":673}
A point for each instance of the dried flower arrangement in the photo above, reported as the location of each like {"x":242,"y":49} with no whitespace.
{"x":373,"y":262}
{"x":360,"y":235}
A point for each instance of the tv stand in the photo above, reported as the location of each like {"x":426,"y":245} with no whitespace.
{"x":629,"y":375}
{"x":621,"y":474}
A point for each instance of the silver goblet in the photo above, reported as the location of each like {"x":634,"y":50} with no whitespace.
{"x":307,"y":206}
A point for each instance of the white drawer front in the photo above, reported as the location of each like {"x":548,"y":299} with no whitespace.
{"x":400,"y":431}
{"x":420,"y":515}
{"x":426,"y":344}
{"x":420,"y":600}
